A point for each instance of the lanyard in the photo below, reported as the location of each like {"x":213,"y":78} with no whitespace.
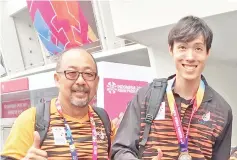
{"x":69,"y":134}
{"x":183,"y":140}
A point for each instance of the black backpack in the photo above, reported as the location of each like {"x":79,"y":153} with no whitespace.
{"x":42,"y":120}
{"x":158,"y":89}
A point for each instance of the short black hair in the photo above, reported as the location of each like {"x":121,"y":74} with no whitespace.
{"x":60,"y":57}
{"x":188,"y":28}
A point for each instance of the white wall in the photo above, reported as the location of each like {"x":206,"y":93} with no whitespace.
{"x":105,"y":25}
{"x":28,"y":41}
{"x":161,"y":62}
{"x":223,"y":79}
{"x":42,"y":80}
{"x":1,"y":23}
{"x":15,"y":6}
{"x":131,"y":16}
{"x":11,"y":51}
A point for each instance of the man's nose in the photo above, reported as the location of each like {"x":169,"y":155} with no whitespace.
{"x":190,"y":55}
{"x":80,"y":80}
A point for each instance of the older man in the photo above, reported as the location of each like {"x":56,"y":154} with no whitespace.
{"x":75,"y":130}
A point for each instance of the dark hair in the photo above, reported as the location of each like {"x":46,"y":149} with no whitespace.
{"x":188,"y":28}
{"x":60,"y":57}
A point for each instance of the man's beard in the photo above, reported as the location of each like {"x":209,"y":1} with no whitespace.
{"x":80,"y":102}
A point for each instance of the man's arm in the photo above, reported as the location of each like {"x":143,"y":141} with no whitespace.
{"x":21,"y":137}
{"x":126,"y":142}
{"x":222,"y":146}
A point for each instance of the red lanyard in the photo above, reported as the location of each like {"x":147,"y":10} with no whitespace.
{"x":69,"y":133}
{"x":183,"y":140}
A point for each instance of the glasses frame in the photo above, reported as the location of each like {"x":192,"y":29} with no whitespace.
{"x":79,"y":73}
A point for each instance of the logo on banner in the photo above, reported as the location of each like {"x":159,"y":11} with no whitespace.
{"x":112,"y":88}
{"x":117,"y":94}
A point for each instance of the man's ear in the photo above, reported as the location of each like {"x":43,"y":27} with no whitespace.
{"x":97,"y":82}
{"x":56,"y":79}
{"x":171,"y":50}
{"x":209,"y":52}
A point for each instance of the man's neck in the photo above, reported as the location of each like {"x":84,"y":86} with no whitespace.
{"x":73,"y":111}
{"x":185,"y":88}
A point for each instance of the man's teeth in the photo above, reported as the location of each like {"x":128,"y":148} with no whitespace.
{"x":189,"y":67}
{"x":79,"y":91}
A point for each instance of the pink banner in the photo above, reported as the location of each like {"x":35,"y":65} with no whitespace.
{"x":14,"y":108}
{"x":15,"y":85}
{"x":117,"y":94}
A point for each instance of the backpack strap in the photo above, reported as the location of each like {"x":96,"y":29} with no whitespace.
{"x":106,"y":121}
{"x":42,"y":119}
{"x":158,"y":88}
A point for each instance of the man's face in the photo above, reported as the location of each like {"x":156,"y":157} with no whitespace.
{"x":190,"y":58}
{"x":79,"y":91}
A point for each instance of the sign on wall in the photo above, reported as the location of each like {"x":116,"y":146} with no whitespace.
{"x":118,"y":93}
{"x":16,"y":85}
{"x":13,"y":109}
{"x":61,"y":24}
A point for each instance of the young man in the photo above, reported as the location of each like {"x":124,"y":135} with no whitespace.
{"x":75,"y":130}
{"x":194,"y":121}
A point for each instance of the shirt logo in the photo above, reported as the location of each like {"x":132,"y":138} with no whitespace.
{"x":206,"y":117}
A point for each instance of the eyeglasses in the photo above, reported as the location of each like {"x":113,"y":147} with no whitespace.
{"x":74,"y":75}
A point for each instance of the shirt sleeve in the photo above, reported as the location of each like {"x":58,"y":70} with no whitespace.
{"x":21,"y":137}
{"x":222,"y":145}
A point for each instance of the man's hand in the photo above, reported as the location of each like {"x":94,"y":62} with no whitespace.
{"x":159,"y":156}
{"x":118,"y":120}
{"x":35,"y":153}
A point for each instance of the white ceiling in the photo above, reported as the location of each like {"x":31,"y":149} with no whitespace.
{"x":224,"y":27}
{"x":135,"y":57}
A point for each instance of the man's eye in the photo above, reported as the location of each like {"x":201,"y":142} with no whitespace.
{"x":88,"y":74}
{"x":72,"y":73}
{"x":199,"y":49}
{"x":182,"y":47}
